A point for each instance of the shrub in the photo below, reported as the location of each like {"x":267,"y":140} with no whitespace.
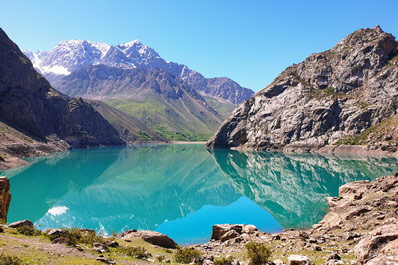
{"x":9,"y":260}
{"x":160,"y":258}
{"x":223,"y":261}
{"x":74,"y":236}
{"x":258,"y":253}
{"x":135,"y":252}
{"x":186,"y":255}
{"x":90,"y":237}
{"x":28,"y":231}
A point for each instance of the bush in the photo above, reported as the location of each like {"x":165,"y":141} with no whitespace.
{"x":74,"y":236}
{"x":136,"y":252}
{"x":28,"y":231}
{"x":223,"y":261}
{"x":9,"y":260}
{"x":258,"y":253}
{"x":186,"y":255}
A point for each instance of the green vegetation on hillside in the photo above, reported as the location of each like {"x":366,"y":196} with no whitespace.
{"x":223,"y":108}
{"x":385,"y":129}
{"x":176,"y":120}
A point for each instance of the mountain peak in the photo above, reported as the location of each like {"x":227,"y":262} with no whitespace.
{"x":366,"y":37}
{"x":131,"y":43}
{"x":72,"y":55}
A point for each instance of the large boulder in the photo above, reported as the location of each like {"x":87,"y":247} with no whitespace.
{"x":298,"y":260}
{"x":152,"y":237}
{"x":5,"y":198}
{"x":380,"y":246}
{"x":224,"y":232}
{"x":17,"y":224}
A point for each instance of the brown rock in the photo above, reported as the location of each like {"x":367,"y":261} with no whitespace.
{"x":152,"y":237}
{"x":379,"y":244}
{"x":21,"y":223}
{"x":5,"y":198}
{"x":229,"y":235}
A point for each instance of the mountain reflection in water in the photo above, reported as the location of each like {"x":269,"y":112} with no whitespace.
{"x":181,"y":190}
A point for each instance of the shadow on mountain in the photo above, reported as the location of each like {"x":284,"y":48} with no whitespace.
{"x":293,"y":187}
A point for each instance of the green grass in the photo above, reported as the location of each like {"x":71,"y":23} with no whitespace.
{"x":372,"y":133}
{"x":9,"y":260}
{"x":301,"y":80}
{"x":181,"y":136}
{"x":169,"y":120}
{"x":186,"y":255}
{"x":326,"y":92}
{"x":135,"y":252}
{"x":224,"y":108}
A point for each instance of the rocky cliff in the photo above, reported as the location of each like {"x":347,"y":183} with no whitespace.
{"x":34,"y":113}
{"x":345,"y":95}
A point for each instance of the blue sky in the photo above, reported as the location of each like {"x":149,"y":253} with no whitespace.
{"x":248,"y":41}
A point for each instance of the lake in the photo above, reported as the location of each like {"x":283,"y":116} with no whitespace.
{"x":182,"y":189}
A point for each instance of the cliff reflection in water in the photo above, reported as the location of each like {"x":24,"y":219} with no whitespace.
{"x":181,"y":190}
{"x":293,"y":187}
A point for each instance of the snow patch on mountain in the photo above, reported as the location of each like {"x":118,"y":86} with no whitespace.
{"x":72,"y":55}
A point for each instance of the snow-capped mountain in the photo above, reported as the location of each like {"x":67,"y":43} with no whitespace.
{"x":72,"y":55}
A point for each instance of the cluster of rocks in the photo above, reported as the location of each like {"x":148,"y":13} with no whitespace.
{"x":362,"y":222}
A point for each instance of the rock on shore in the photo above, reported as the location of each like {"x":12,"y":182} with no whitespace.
{"x":152,"y":237}
{"x":5,"y":197}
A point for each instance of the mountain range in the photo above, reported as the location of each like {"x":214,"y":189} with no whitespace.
{"x":71,"y":55}
{"x":169,"y":98}
{"x":347,"y":95}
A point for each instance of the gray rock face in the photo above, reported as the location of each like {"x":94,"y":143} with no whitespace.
{"x":29,"y":104}
{"x":70,"y":56}
{"x":327,"y":99}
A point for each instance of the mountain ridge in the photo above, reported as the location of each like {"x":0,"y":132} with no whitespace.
{"x":69,"y":56}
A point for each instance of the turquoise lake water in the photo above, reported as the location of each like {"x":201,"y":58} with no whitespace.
{"x":181,"y":190}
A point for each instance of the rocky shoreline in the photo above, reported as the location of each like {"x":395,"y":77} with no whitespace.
{"x":360,"y":228}
{"x":381,"y":150}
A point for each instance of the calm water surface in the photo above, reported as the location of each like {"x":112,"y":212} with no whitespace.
{"x":181,"y":190}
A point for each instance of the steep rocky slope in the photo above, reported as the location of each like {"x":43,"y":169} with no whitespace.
{"x":34,"y":116}
{"x":345,"y":95}
{"x":156,"y":98}
{"x":72,"y":55}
